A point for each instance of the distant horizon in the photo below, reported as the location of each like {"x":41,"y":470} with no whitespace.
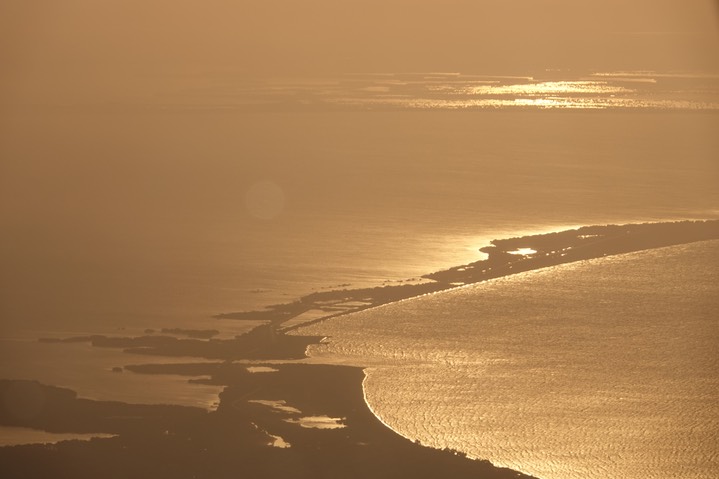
{"x":544,"y":89}
{"x":88,"y":49}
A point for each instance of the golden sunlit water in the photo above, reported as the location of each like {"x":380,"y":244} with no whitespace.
{"x":602,"y":369}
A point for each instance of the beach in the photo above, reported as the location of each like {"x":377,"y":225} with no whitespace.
{"x":277,"y":413}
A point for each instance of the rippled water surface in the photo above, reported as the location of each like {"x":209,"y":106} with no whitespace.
{"x":160,"y":214}
{"x":600,"y":369}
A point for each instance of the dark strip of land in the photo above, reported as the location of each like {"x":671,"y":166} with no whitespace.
{"x":270,"y":341}
{"x":505,"y":257}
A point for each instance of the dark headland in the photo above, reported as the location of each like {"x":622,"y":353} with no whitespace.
{"x":289,"y":420}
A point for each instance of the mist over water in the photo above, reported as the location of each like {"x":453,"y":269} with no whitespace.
{"x":149,"y":218}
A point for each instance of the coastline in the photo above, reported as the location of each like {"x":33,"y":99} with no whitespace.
{"x":505,"y":257}
{"x":269,"y":405}
{"x":297,"y":420}
{"x":554,"y":371}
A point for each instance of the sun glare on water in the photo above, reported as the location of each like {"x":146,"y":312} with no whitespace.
{"x":523,"y":251}
{"x":550,"y":88}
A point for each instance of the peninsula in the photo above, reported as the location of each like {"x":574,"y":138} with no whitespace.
{"x":278,"y":417}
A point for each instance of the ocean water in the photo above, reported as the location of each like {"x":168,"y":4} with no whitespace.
{"x":598,"y":369}
{"x":166,"y":211}
{"x":155,"y":218}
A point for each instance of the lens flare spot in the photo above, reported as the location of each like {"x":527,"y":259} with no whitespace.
{"x":265,"y":200}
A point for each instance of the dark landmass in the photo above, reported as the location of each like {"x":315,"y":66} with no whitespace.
{"x":71,"y":339}
{"x":236,"y":440}
{"x":269,"y":341}
{"x":263,"y":342}
{"x":257,"y":430}
{"x":185,"y":369}
{"x":550,"y":249}
{"x":151,"y":337}
{"x":191,"y":333}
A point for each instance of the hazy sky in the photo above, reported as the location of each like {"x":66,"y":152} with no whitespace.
{"x":49,"y":46}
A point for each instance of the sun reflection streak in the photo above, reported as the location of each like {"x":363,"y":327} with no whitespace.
{"x":528,"y":103}
{"x":453,"y":91}
{"x":551,"y":88}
